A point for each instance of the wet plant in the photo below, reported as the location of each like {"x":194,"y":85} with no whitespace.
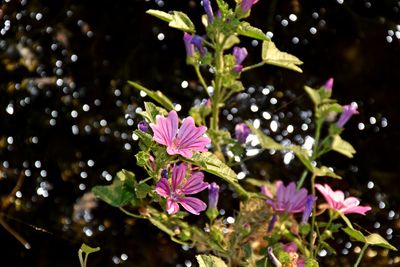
{"x":277,"y":223}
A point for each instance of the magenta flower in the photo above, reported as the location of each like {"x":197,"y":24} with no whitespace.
{"x":183,"y":141}
{"x":246,"y":5}
{"x":337,"y":201}
{"x":348,"y":112}
{"x":175,"y":191}
{"x":240,"y":53}
{"x":288,"y":199}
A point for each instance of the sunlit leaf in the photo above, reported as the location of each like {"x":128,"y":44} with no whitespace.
{"x":182,"y":22}
{"x":342,"y":146}
{"x":246,"y":29}
{"x":210,"y":163}
{"x":377,"y":240}
{"x":325,"y":171}
{"x":160,"y":14}
{"x":210,"y":261}
{"x":151,"y":112}
{"x":313,"y":94}
{"x":273,"y":56}
{"x":120,"y":192}
{"x":355,"y":234}
{"x":157,"y":96}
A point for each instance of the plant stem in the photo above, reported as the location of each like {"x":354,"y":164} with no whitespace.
{"x":253,"y":66}
{"x":361,"y":255}
{"x":312,"y":218}
{"x":302,"y":178}
{"x":201,"y":79}
{"x":137,"y":216}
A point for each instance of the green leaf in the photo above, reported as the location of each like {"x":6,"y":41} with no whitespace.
{"x":377,"y":240}
{"x":222,"y":6}
{"x":142,"y":158}
{"x":151,"y":112}
{"x":324,"y":110}
{"x":325,"y":171}
{"x":231,"y":41}
{"x":311,"y":262}
{"x":303,"y":156}
{"x":142,"y":189}
{"x":157,"y":96}
{"x":246,"y":29}
{"x":146,"y":140}
{"x":313,"y":94}
{"x":211,"y":164}
{"x":346,"y":220}
{"x":120,"y":192}
{"x":210,"y":261}
{"x":265,"y":141}
{"x":342,"y":146}
{"x":273,"y":56}
{"x":181,"y":21}
{"x":160,"y":14}
{"x":355,"y":234}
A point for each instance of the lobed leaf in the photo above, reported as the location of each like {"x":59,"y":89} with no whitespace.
{"x":157,"y":96}
{"x":247,"y":30}
{"x":273,"y":56}
{"x":342,"y":146}
{"x":210,"y":261}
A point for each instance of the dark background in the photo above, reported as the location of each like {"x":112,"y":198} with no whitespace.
{"x":66,"y":115}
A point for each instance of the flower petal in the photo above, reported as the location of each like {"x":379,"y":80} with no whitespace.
{"x":178,"y":174}
{"x":172,"y":206}
{"x":165,"y":129}
{"x":192,"y":204}
{"x":191,"y":137}
{"x":194,"y":184}
{"x":162,"y":187}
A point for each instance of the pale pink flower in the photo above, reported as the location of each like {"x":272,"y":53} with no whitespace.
{"x":178,"y":187}
{"x":182,"y":141}
{"x":338,"y":202}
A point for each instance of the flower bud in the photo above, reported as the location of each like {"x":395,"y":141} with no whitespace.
{"x":328,"y":85}
{"x":348,"y":112}
{"x":143,"y":126}
{"x":213,"y":195}
{"x":241,"y":132}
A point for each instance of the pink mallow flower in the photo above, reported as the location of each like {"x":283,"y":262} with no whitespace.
{"x":178,"y":187}
{"x":337,"y":201}
{"x":288,"y":199}
{"x":182,"y":141}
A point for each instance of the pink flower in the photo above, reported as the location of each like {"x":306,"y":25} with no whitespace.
{"x":175,"y":191}
{"x":182,"y":141}
{"x":288,"y":198}
{"x":337,"y":201}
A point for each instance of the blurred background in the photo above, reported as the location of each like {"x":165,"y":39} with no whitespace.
{"x":67,"y":116}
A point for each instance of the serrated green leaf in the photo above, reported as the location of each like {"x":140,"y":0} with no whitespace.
{"x":377,"y":240}
{"x":160,"y":14}
{"x":342,"y":146}
{"x":181,"y":21}
{"x":211,"y":164}
{"x":355,"y":234}
{"x":151,"y":112}
{"x":120,"y":192}
{"x":246,"y":29}
{"x":210,"y":261}
{"x":273,"y":56}
{"x":145,"y":140}
{"x":157,"y":96}
{"x":313,"y":94}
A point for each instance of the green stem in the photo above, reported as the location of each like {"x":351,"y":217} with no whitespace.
{"x":137,"y":216}
{"x":361,"y":255}
{"x":302,"y":178}
{"x":253,"y":66}
{"x":313,"y":217}
{"x":201,"y":79}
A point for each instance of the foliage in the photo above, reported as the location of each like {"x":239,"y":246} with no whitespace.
{"x":266,"y":228}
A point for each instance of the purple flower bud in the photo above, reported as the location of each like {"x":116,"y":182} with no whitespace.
{"x":187,"y":39}
{"x":213,"y":194}
{"x":246,"y":5}
{"x":308,"y":208}
{"x":241,"y":132}
{"x":348,"y":111}
{"x":198,"y":43}
{"x":290,"y":247}
{"x":329,"y":85}
{"x":143,"y":126}
{"x":164,"y":174}
{"x":272,"y":223}
{"x":209,"y":11}
{"x":240,"y":53}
